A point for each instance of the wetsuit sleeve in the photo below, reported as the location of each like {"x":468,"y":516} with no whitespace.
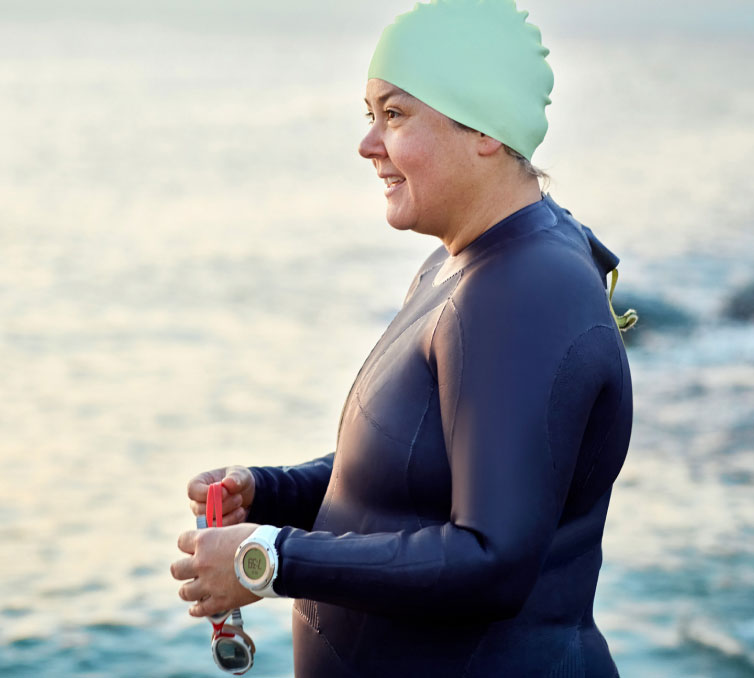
{"x":517,"y":378}
{"x":290,"y":495}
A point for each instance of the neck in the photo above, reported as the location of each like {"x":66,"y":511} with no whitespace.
{"x":489,"y":209}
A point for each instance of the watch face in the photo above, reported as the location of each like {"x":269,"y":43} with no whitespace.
{"x":255,"y":563}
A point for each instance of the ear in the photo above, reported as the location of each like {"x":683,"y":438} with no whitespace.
{"x":487,"y":146}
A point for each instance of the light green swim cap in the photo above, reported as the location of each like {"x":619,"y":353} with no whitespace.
{"x":477,"y":62}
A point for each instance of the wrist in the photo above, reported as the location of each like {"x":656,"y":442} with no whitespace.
{"x":256,"y":561}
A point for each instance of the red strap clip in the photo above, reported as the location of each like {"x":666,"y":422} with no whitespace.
{"x":215,"y":505}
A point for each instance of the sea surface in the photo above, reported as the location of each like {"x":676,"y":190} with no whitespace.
{"x":195,"y":262}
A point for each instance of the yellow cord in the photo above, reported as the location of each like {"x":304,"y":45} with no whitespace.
{"x":630,"y":317}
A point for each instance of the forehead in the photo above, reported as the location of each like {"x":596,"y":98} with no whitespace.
{"x":379,"y":91}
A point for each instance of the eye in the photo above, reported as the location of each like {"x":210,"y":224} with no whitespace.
{"x":391,"y":113}
{"x":369,"y":116}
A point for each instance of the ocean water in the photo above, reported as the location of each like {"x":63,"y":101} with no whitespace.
{"x":195,"y":263}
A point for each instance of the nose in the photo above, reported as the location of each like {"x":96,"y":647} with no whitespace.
{"x":372,"y":145}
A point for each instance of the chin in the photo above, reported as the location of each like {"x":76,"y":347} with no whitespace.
{"x":400,"y":224}
{"x":417,"y":226}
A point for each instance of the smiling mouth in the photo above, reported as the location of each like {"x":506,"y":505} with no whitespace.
{"x":393,"y":184}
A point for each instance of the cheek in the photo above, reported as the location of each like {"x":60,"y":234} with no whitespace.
{"x":431,"y":182}
{"x":428,"y":170}
{"x":411,"y":154}
{"x":420,"y":168}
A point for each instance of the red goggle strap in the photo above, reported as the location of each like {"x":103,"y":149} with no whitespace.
{"x":217,"y":629}
{"x":215,"y":505}
{"x":215,"y":519}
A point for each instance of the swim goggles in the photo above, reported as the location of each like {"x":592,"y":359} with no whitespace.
{"x":232,"y":649}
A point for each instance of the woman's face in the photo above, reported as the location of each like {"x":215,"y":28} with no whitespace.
{"x":424,"y":159}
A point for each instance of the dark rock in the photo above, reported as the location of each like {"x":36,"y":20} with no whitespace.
{"x":741,"y":305}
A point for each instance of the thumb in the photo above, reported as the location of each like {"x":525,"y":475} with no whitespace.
{"x":234,"y":481}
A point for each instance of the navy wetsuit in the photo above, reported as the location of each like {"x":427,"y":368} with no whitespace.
{"x":456,"y":531}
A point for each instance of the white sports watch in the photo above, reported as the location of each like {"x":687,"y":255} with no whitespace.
{"x":256,"y":561}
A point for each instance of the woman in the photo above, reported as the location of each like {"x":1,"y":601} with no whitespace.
{"x":456,"y":531}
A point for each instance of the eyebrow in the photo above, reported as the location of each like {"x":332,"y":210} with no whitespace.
{"x":395,"y":92}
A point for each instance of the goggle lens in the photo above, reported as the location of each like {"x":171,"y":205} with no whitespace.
{"x":233,"y":650}
{"x":231,"y":655}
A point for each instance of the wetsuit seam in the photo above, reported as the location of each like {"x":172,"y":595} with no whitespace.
{"x":375,"y":424}
{"x":462,"y":362}
{"x":450,"y":303}
{"x":434,"y":330}
{"x":427,"y":270}
{"x":598,"y":452}
{"x":315,"y":626}
{"x":411,"y":456}
{"x":329,"y":494}
{"x":364,"y":372}
{"x":435,"y":282}
{"x":556,"y":669}
{"x":474,"y":653}
{"x":555,"y":377}
{"x":370,"y":363}
{"x":360,"y":377}
{"x":417,"y":283}
{"x":327,"y":643}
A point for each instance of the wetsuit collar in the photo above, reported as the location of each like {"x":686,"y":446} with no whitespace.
{"x":527,"y":220}
{"x":605,"y":260}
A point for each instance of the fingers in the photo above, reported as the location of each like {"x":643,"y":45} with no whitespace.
{"x":197,"y":486}
{"x":236,"y":478}
{"x":204,"y":608}
{"x":209,"y":579}
{"x":198,"y":610}
{"x":239,"y":480}
{"x":198,"y":508}
{"x":235,"y":517}
{"x":233,"y":511}
{"x":193,"y":591}
{"x":183,"y":569}
{"x":204,"y":603}
{"x":238,"y":491}
{"x":231,"y":502}
{"x":187,"y":541}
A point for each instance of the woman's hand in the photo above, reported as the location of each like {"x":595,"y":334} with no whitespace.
{"x":213,"y":586}
{"x":238,"y":492}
